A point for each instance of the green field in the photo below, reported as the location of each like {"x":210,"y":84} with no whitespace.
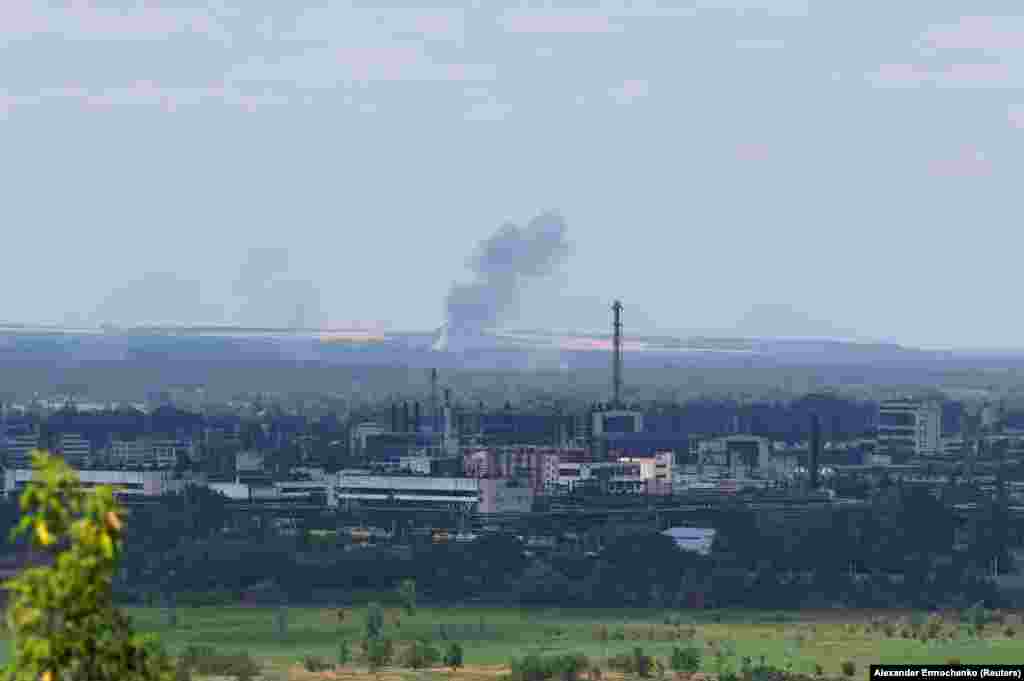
{"x":804,"y":640}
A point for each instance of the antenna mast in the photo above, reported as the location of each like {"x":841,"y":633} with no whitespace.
{"x":617,"y":355}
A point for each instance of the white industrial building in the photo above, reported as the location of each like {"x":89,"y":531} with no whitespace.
{"x":404,"y":490}
{"x":909,"y":427}
{"x":132,"y":483}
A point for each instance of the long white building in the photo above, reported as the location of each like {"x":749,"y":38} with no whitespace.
{"x":406,"y":490}
{"x":132,"y":483}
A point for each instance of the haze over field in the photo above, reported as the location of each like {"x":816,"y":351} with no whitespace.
{"x":764,"y":167}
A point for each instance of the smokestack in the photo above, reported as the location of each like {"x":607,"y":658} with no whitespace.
{"x":405,"y":417}
{"x":416,"y":417}
{"x":815,"y":450}
{"x":616,"y":355}
{"x":394,"y":417}
{"x":433,"y":400}
{"x":447,"y":397}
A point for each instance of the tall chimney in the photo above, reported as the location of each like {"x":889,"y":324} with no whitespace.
{"x":394,"y":417}
{"x":616,"y":355}
{"x":815,"y":450}
{"x":416,"y":417}
{"x":433,"y":400}
{"x":405,"y":417}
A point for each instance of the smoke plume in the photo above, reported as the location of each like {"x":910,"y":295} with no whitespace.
{"x":267,"y":299}
{"x":502,"y":264}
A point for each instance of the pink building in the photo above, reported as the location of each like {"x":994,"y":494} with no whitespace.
{"x":537,"y":466}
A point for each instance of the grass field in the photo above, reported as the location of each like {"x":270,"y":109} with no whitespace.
{"x":805,"y":639}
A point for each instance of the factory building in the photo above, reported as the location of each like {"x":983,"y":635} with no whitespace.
{"x":909,"y":428}
{"x":505,"y":496}
{"x":19,"y":450}
{"x":734,"y":456}
{"x":360,"y":433}
{"x":131,"y":483}
{"x":74,"y":449}
{"x":414,"y":491}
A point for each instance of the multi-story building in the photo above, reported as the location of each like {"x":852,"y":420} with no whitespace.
{"x":538,"y":466}
{"x":128,"y":453}
{"x":19,"y":450}
{"x":165,"y":453}
{"x":504,"y":496}
{"x":735,"y":455}
{"x":909,"y":428}
{"x":74,"y":449}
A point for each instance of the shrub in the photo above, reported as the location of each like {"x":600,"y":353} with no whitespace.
{"x":618,"y":635}
{"x":407,"y":595}
{"x":344,"y":654}
{"x":314,"y":663}
{"x":1009,"y":632}
{"x":378,"y":652}
{"x":182,"y":670}
{"x":635,"y":663}
{"x":818,"y":670}
{"x":685,"y":660}
{"x":953,"y":662}
{"x":889,"y":630}
{"x":453,"y":656}
{"x":562,"y":667}
{"x":239,"y":665}
{"x":848,"y":667}
{"x":420,"y":654}
{"x":374,"y":621}
{"x":600,"y":632}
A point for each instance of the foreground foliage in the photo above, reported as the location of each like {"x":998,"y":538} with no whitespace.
{"x":62,"y":617}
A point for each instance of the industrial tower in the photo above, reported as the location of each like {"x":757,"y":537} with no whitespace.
{"x":433,"y":400}
{"x":617,"y":355}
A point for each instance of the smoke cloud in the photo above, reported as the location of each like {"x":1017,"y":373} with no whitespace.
{"x":267,"y":299}
{"x":502,"y":265}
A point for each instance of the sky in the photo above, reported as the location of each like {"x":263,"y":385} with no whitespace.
{"x":785,"y":167}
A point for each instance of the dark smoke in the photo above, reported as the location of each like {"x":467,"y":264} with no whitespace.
{"x":502,"y":265}
{"x":267,"y":300}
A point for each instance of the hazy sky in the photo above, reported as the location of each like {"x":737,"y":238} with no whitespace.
{"x":853,"y":163}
